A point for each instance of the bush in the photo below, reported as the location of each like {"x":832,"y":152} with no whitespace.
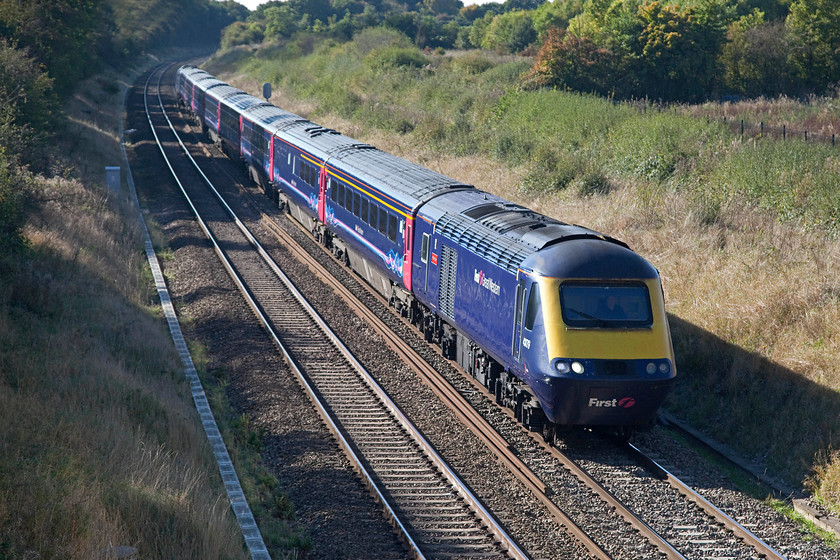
{"x":395,"y":57}
{"x":14,"y":190}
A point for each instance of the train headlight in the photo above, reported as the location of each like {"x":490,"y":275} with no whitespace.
{"x":650,"y":368}
{"x":577,"y":367}
{"x":562,"y":367}
{"x":664,"y":367}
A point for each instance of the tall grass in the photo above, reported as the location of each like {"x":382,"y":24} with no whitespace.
{"x":100,"y":444}
{"x":743,"y":233}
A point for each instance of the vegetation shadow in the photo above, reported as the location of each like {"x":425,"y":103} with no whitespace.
{"x":772,"y":415}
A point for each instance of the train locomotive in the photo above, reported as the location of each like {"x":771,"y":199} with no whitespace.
{"x":563,"y":324}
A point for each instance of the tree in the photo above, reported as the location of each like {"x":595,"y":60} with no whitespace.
{"x":754,"y":57}
{"x":281,"y":21}
{"x":679,"y":49}
{"x":511,"y":32}
{"x":555,"y":14}
{"x":448,"y":7}
{"x":814,"y":35}
{"x":576,"y":63}
{"x":241,"y":33}
{"x":63,"y":35}
{"x":28,"y":105}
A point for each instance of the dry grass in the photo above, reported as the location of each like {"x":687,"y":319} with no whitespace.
{"x":818,"y":116}
{"x":754,"y":302}
{"x":101,"y":444}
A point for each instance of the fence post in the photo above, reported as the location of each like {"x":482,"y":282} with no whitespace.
{"x":742,"y":127}
{"x":784,"y":132}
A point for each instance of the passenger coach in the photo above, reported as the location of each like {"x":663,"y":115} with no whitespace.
{"x":563,"y":324}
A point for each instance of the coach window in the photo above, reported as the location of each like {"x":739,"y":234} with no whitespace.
{"x":424,"y":249}
{"x":337,"y":192}
{"x":392,"y":227}
{"x":533,"y":306}
{"x":365,"y":211}
{"x":383,"y":221}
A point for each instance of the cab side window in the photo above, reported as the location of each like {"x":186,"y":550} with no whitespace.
{"x":424,"y":250}
{"x":533,"y":306}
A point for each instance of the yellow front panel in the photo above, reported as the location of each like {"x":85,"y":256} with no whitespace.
{"x":605,"y":344}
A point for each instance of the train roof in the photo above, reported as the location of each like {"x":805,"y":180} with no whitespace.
{"x":270,"y":117}
{"x":192,"y":71}
{"x":401,"y":180}
{"x":411,"y":183}
{"x":504,"y":233}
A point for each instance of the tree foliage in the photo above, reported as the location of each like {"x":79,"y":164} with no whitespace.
{"x":814,"y":34}
{"x":510,"y":32}
{"x":64,"y":35}
{"x":669,"y":50}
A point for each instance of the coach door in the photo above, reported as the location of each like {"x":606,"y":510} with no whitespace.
{"x":322,"y":195}
{"x":516,"y":343}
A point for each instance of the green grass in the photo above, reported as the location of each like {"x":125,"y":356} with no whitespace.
{"x":101,"y":443}
{"x":743,"y":231}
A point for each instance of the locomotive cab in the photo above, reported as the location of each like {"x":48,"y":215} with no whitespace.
{"x":593,"y":338}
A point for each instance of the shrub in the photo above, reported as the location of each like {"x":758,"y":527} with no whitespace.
{"x":394,"y":57}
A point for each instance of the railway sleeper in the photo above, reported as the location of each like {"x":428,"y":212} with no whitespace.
{"x":508,"y":390}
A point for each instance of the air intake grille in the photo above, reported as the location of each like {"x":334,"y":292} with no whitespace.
{"x":448,"y":277}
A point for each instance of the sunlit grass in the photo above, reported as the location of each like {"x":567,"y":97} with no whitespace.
{"x":744,"y":233}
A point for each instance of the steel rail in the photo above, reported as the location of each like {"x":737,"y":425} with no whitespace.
{"x":311,"y":392}
{"x":713,"y":511}
{"x":450,"y":396}
{"x":233,"y":488}
{"x":500,"y":534}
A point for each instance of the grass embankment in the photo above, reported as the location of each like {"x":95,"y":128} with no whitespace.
{"x":743,"y":232}
{"x":100,"y":444}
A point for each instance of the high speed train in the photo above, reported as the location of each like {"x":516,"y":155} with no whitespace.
{"x":565,"y":325}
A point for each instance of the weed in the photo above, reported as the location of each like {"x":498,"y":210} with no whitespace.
{"x":742,"y":232}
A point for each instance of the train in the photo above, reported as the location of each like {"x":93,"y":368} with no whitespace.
{"x":564,"y":325}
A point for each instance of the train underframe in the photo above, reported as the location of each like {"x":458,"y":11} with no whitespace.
{"x":509,"y":391}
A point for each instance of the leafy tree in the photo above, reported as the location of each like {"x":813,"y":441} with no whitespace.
{"x":814,"y":35}
{"x":28,"y":106}
{"x":571,"y":62}
{"x":518,"y":5}
{"x":424,"y":29}
{"x":27,"y":109}
{"x":510,"y":32}
{"x":479,"y":29}
{"x":474,"y":12}
{"x":317,"y":9}
{"x":679,"y":49}
{"x":754,"y":57}
{"x":555,"y":14}
{"x":63,"y":35}
{"x":242,"y":33}
{"x":281,"y":21}
{"x":449,"y":7}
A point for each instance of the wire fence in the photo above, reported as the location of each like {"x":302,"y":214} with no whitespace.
{"x":751,"y":130}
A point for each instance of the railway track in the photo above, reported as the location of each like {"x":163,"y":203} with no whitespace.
{"x":688,"y":528}
{"x":701,"y":531}
{"x":436,"y":514}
